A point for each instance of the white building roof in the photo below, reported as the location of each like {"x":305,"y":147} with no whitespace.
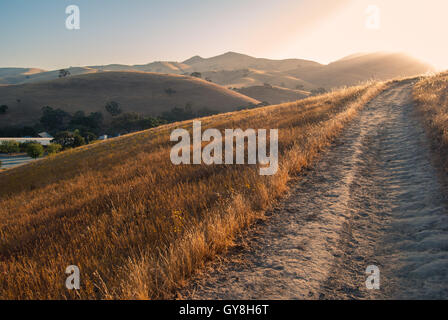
{"x":45,"y":135}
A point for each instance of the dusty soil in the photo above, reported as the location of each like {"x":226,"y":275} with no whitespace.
{"x":373,"y":199}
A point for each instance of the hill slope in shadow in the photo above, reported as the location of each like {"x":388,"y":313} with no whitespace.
{"x":145,"y":93}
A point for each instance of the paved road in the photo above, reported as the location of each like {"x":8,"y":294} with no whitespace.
{"x":9,"y":162}
{"x":373,"y":199}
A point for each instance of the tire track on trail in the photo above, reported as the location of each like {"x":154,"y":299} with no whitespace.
{"x":373,"y":199}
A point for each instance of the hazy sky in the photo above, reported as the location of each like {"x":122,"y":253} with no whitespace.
{"x":33,"y":33}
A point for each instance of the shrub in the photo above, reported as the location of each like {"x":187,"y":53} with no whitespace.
{"x":63,"y":73}
{"x":113,"y":108}
{"x":23,"y":146}
{"x":69,"y":139}
{"x":78,"y":140}
{"x":54,"y":148}
{"x":35,"y":150}
{"x":9,"y":147}
{"x":196,"y":74}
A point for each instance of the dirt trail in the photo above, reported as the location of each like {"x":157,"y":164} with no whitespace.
{"x":373,"y":199}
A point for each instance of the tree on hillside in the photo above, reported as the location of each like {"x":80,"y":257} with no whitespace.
{"x":86,"y":123}
{"x":69,"y":139}
{"x":64,"y":138}
{"x":3,"y":109}
{"x":63,"y":73}
{"x":196,"y":74}
{"x":113,"y":108}
{"x":170,"y":91}
{"x":54,"y":119}
{"x":78,"y":140}
{"x":35,"y":150}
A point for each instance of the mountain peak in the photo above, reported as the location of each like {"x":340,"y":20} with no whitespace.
{"x":194,"y":59}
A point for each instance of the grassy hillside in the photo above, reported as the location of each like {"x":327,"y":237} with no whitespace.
{"x":252,"y":77}
{"x":237,"y":70}
{"x":135,"y":224}
{"x":354,"y":69}
{"x":273,"y":95}
{"x":237,"y":61}
{"x":17,"y":75}
{"x":145,"y":93}
{"x":431,"y":96}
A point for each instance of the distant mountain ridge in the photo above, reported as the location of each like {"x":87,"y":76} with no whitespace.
{"x":346,"y":71}
{"x":257,"y":79}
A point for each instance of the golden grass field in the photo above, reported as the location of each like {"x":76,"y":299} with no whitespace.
{"x":431,"y":96}
{"x":135,"y":224}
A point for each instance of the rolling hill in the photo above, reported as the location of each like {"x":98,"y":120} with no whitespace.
{"x":17,"y":75}
{"x":238,"y":70}
{"x":236,"y":61}
{"x":253,"y":77}
{"x":272,"y":94}
{"x":258,"y":78}
{"x":145,"y":93}
{"x":361,"y":67}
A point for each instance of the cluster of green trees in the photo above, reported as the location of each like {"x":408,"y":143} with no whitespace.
{"x":74,"y":130}
{"x":33,"y":149}
{"x":57,"y":120}
{"x":71,"y":131}
{"x":61,"y":123}
{"x":11,"y":147}
{"x":69,"y":139}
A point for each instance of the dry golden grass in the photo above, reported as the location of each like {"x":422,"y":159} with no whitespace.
{"x":138,"y":226}
{"x":431,"y":96}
